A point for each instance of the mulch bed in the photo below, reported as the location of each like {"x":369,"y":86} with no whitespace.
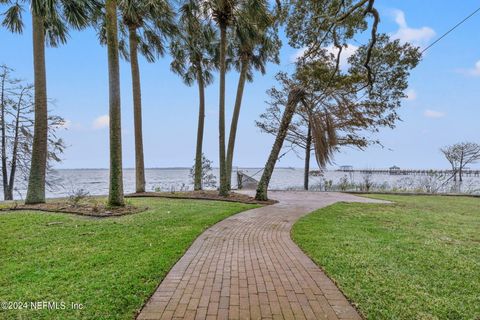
{"x":93,"y":207}
{"x":202,"y":195}
{"x":88,"y":208}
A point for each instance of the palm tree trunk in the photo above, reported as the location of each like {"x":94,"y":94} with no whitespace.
{"x":221,"y":112}
{"x":200,"y":129}
{"x":294,"y":97}
{"x":234,"y":124}
{"x":115,"y":195}
{"x":308,"y":150}
{"x":36,"y":181}
{"x":137,"y":111}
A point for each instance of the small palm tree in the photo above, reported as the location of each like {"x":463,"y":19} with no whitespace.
{"x":50,"y":23}
{"x":193,"y":52}
{"x":148,"y":25}
{"x":255,"y":44}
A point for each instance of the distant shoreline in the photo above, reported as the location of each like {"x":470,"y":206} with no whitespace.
{"x":249,"y":168}
{"x":176,"y":168}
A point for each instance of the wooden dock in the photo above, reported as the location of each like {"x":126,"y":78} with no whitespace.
{"x":412,"y":172}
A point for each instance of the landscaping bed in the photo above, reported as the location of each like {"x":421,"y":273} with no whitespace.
{"x":89,"y":206}
{"x":204,"y":195}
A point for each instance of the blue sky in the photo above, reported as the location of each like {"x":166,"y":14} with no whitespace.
{"x":442,"y":107}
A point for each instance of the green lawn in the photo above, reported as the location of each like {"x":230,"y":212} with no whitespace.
{"x":416,"y":259}
{"x":110,"y":266}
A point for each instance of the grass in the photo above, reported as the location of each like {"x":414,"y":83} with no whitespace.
{"x":418,"y":258}
{"x":111,"y":265}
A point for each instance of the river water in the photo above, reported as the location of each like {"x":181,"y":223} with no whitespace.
{"x":95,"y":181}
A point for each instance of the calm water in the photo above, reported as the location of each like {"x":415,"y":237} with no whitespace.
{"x":95,"y":181}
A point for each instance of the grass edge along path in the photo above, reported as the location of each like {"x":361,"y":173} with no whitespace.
{"x":418,"y":258}
{"x":110,"y":266}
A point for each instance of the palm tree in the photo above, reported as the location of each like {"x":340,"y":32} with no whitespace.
{"x":148,"y":25}
{"x":256,"y":43}
{"x":192,"y":53}
{"x":115,"y":194}
{"x":50,"y":22}
{"x":225,"y":13}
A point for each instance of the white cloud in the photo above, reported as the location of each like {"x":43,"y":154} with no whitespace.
{"x":434,"y":114}
{"x":411,"y":95}
{"x":417,"y":36}
{"x":101,"y":122}
{"x":347,"y":52}
{"x":474,"y":72}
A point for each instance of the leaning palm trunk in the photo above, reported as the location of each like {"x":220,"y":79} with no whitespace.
{"x":294,"y":98}
{"x":200,"y":129}
{"x":234,"y":124}
{"x":137,"y":111}
{"x":115,"y":195}
{"x":36,"y":181}
{"x":221,"y":114}
{"x":308,"y":150}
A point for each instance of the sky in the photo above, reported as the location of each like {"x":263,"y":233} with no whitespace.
{"x":441,"y":108}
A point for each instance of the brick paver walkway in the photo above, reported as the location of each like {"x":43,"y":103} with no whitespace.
{"x":247,"y":267}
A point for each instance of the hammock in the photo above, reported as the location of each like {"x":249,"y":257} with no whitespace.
{"x":245,"y":182}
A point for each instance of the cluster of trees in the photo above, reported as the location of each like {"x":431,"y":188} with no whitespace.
{"x":16,"y":131}
{"x":205,"y":36}
{"x":50,"y":23}
{"x":324,"y":105}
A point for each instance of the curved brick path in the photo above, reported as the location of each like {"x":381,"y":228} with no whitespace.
{"x":247,"y":267}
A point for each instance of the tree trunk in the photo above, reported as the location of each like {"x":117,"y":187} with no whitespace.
{"x":221,"y":112}
{"x":137,"y":111}
{"x":294,"y":97}
{"x":4,"y":139}
{"x":234,"y":124}
{"x":454,"y":170}
{"x":13,"y":166}
{"x":115,"y":195}
{"x":308,"y":150}
{"x":460,"y":171}
{"x":38,"y":166}
{"x":200,"y":129}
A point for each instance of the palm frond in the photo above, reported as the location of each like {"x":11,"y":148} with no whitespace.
{"x":13,"y":18}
